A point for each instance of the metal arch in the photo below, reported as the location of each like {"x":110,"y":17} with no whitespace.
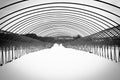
{"x":48,"y":26}
{"x":54,"y":9}
{"x":117,"y":29}
{"x":54,"y":3}
{"x":28,"y":14}
{"x":107,"y":30}
{"x":14,"y":3}
{"x":55,"y":34}
{"x":92,"y":36}
{"x":65,"y":27}
{"x":108,"y":3}
{"x":100,"y":35}
{"x":58,"y":33}
{"x":85,"y":5}
{"x":28,"y":23}
{"x":87,"y":16}
{"x":35,"y":31}
{"x":37,"y":27}
{"x":53,"y":29}
{"x":71,"y":23}
{"x":33,"y":19}
{"x":112,"y":30}
{"x":89,"y":5}
{"x":25,"y":28}
{"x":61,"y":29}
{"x":24,"y":19}
{"x":31,"y":29}
{"x":118,"y":32}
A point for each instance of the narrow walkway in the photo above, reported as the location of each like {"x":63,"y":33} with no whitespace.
{"x":59,"y":63}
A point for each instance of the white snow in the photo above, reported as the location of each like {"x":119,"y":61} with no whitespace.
{"x":59,"y":63}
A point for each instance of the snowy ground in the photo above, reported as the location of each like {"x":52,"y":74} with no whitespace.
{"x":59,"y":63}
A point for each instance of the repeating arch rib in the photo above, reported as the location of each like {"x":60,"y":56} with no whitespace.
{"x":15,"y":22}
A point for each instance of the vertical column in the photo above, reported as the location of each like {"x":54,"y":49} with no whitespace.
{"x":117,"y":53}
{"x":107,"y":52}
{"x":90,"y":48}
{"x":16,"y":52}
{"x":19,"y":52}
{"x":13,"y":52}
{"x":1,"y":56}
{"x":6,"y":50}
{"x":102,"y":51}
{"x":113,"y":53}
{"x":93,"y":49}
{"x":97,"y":50}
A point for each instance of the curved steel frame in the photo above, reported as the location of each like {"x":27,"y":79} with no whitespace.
{"x":28,"y":23}
{"x":70,"y":24}
{"x":68,"y":3}
{"x":15,"y":20}
{"x":59,"y":28}
{"x":14,"y":3}
{"x":54,"y":34}
{"x":108,"y":3}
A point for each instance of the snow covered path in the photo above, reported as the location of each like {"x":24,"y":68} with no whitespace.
{"x":59,"y":63}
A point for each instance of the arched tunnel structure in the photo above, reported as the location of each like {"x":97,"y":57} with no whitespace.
{"x":30,"y":25}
